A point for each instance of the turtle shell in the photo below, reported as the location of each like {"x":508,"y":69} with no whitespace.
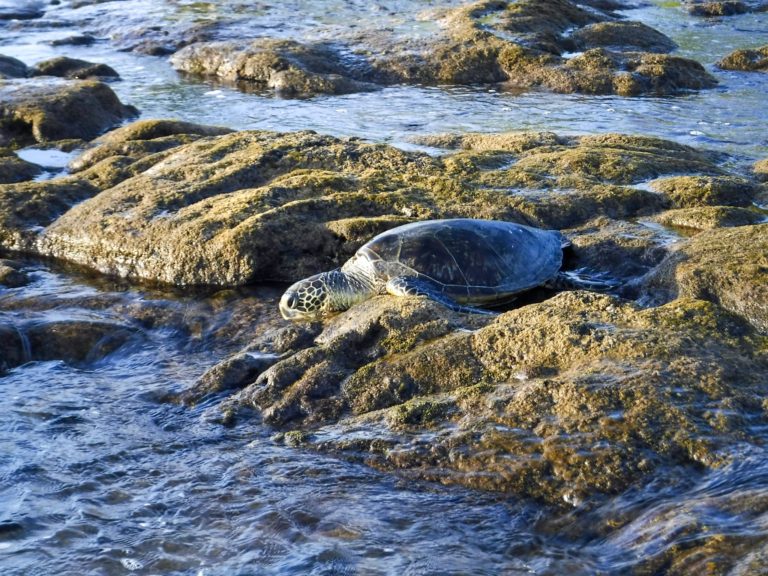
{"x":471,"y":261}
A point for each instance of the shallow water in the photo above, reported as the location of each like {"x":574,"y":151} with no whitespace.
{"x":99,"y":476}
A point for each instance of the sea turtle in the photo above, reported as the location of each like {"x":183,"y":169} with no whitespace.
{"x":458,"y":263}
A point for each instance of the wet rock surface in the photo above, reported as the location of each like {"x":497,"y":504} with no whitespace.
{"x":44,"y":110}
{"x":289,"y":68}
{"x":613,"y":431}
{"x":12,"y":274}
{"x":717,"y":8}
{"x":708,"y":267}
{"x":746,"y":60}
{"x":71,"y":341}
{"x":524,"y":44}
{"x":12,"y":68}
{"x":566,"y":400}
{"x":14,"y":169}
{"x":185,"y":204}
{"x":73,"y":68}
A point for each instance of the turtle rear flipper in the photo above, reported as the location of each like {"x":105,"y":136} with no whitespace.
{"x":410,"y":286}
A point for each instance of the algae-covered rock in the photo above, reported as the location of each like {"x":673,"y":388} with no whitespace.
{"x":522,"y":43}
{"x":141,"y":139}
{"x":12,"y":275}
{"x":286,"y":66}
{"x":615,"y":159}
{"x":239,"y":197}
{"x":14,"y":169}
{"x":708,"y":217}
{"x":617,"y":249}
{"x":728,"y":266}
{"x":760,"y":169}
{"x":718,"y":7}
{"x":27,"y":207}
{"x":746,"y":60}
{"x":516,"y":142}
{"x":696,"y":191}
{"x":233,"y":373}
{"x":12,"y":67}
{"x":623,"y":34}
{"x":186,"y":204}
{"x":73,"y":68}
{"x":44,"y":110}
{"x":562,"y":401}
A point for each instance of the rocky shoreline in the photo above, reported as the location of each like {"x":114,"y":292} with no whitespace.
{"x":566,"y":398}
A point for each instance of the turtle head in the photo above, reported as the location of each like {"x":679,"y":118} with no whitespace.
{"x":316,"y":296}
{"x":319,"y":295}
{"x":307,"y":299}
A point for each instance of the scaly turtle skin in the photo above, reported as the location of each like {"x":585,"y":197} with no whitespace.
{"x":459,"y":263}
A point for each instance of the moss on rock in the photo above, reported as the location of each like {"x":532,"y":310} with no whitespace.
{"x":717,"y":8}
{"x":697,"y":191}
{"x":709,"y":217}
{"x":187,"y":204}
{"x":45,"y":110}
{"x":14,"y":169}
{"x":561,"y":401}
{"x":728,"y":266}
{"x":623,"y":34}
{"x":285,"y":66}
{"x":490,"y":41}
{"x":73,"y":69}
{"x":746,"y":60}
{"x":27,"y":207}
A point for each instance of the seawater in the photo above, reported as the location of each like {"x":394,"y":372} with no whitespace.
{"x":99,"y":476}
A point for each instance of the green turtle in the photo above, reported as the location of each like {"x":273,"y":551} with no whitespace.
{"x":459,"y":263}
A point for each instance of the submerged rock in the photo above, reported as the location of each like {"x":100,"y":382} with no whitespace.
{"x":160,"y":40}
{"x":44,"y":110}
{"x":72,"y":341}
{"x":21,"y":11}
{"x":12,"y":275}
{"x":12,"y":68}
{"x":746,"y":60}
{"x":75,"y":40}
{"x":561,"y":401}
{"x":73,"y":68}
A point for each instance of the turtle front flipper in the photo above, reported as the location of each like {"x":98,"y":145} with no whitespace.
{"x":578,"y":280}
{"x":410,"y":286}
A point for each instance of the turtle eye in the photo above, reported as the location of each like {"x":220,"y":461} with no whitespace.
{"x":292,"y":301}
